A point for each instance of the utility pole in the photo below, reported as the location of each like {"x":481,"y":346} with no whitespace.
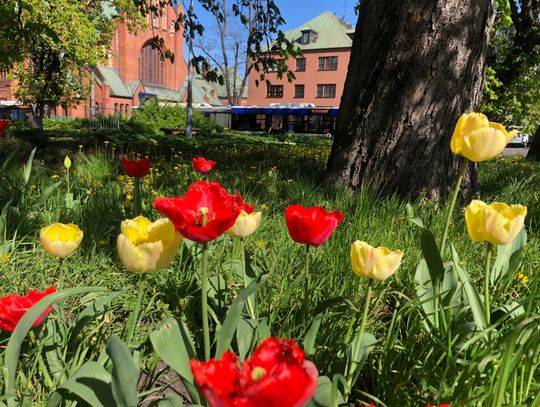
{"x":189,"y":119}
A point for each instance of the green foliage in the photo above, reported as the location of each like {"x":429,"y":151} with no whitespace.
{"x":417,"y":359}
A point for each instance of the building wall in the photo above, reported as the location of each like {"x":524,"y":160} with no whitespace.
{"x":310,"y":78}
{"x":126,"y":50}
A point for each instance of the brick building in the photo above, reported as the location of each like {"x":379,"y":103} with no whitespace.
{"x":320,"y":73}
{"x":134,"y":70}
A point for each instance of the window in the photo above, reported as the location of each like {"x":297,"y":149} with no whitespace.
{"x":151,"y":66}
{"x":300,"y":64}
{"x":326,"y":91}
{"x":328,"y":63}
{"x":308,"y":36}
{"x":96,"y":108}
{"x":116,"y":108}
{"x":274,"y":91}
{"x":127,"y":108}
{"x":298,"y":91}
{"x":164,"y":18}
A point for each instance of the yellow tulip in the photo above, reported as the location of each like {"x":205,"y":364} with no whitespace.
{"x":497,"y":223}
{"x":145,"y":246}
{"x":377,"y":263}
{"x":478,"y":139}
{"x":61,"y":240}
{"x":246,"y":224}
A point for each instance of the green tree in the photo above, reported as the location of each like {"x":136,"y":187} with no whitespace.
{"x":48,"y":44}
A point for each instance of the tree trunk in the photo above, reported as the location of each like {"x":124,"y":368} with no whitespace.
{"x":415,"y":66}
{"x":534,"y":151}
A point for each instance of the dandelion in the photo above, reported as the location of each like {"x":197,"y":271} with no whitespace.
{"x":260,"y":244}
{"x":522,"y":277}
{"x":55,"y":176}
{"x":5,"y":258}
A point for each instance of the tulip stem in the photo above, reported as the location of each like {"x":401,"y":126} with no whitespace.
{"x":462,"y":168}
{"x":306,"y":283}
{"x":137,"y":204}
{"x":134,"y":318}
{"x":204,"y":300}
{"x":358,"y":344}
{"x":60,"y":274}
{"x":249,"y":301}
{"x":487,"y":277}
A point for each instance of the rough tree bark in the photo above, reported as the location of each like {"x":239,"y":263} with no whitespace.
{"x":415,"y":66}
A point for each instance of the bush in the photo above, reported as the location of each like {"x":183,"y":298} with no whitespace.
{"x":152,"y":116}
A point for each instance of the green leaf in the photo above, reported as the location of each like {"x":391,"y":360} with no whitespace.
{"x":323,"y":394}
{"x":175,"y":347}
{"x":171,"y":400}
{"x":431,"y":253}
{"x":125,"y":374}
{"x":359,"y":349}
{"x":509,"y":258}
{"x":47,"y":192}
{"x":10,"y":156}
{"x":226,"y":333}
{"x":311,"y":335}
{"x":27,"y":169}
{"x":246,"y":336}
{"x":424,"y":292}
{"x":13,"y":349}
{"x":473,"y":298}
{"x":91,"y":383}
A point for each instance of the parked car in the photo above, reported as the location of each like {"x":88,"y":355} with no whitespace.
{"x":522,"y":140}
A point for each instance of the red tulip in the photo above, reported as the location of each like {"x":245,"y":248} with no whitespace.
{"x":277,"y":374}
{"x":135,"y":168}
{"x":201,"y":164}
{"x":311,"y":226}
{"x":14,"y":306}
{"x":204,"y":213}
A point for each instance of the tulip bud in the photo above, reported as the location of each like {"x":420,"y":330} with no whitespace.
{"x":478,"y":139}
{"x":146,"y":246}
{"x":67,"y":162}
{"x":246,"y":224}
{"x":61,"y":240}
{"x":497,"y":223}
{"x":377,"y":263}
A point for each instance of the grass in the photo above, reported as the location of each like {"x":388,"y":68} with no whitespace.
{"x":409,"y":366}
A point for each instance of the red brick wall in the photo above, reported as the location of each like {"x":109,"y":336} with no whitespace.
{"x":127,"y":50}
{"x":309,"y":78}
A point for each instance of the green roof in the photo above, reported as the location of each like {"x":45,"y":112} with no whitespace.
{"x":330,"y":32}
{"x":202,"y":91}
{"x":163,"y":93}
{"x":115,"y":83}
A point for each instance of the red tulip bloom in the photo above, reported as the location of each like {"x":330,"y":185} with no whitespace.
{"x":204,"y":213}
{"x":311,"y":226}
{"x":135,"y":168}
{"x":14,"y":306}
{"x":203,"y":165}
{"x":277,"y":374}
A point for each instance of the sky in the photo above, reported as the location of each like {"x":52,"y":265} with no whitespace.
{"x":295,"y":12}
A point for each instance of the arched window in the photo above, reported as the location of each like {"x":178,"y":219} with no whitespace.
{"x":151,"y":66}
{"x":116,"y":108}
{"x":96,"y":108}
{"x":121,"y":108}
{"x":127,"y":108}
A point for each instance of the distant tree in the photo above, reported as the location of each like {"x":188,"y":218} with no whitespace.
{"x":512,"y":91}
{"x":246,"y":37}
{"x":51,"y":43}
{"x":415,"y":67}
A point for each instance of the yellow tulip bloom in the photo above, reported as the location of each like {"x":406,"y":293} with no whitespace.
{"x":246,"y":224}
{"x":61,"y":240}
{"x":145,"y":246}
{"x":377,"y":263}
{"x":497,"y":223}
{"x":478,"y":139}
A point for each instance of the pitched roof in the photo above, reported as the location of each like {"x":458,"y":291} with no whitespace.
{"x":331,"y":32}
{"x":112,"y":79}
{"x":203,"y":91}
{"x":163,"y":93}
